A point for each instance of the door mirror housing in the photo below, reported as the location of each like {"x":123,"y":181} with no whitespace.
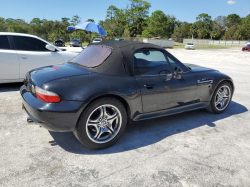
{"x":50,"y":47}
{"x":177,"y":73}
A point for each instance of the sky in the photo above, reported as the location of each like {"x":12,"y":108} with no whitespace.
{"x":183,"y":10}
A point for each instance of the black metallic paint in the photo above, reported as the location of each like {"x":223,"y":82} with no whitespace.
{"x":77,"y":87}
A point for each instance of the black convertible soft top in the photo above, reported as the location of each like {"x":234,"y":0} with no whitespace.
{"x":120,"y":62}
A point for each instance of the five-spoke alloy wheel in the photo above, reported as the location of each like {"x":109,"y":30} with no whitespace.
{"x":221,"y":98}
{"x":102,"y":123}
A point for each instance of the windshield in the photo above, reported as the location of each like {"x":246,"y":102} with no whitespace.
{"x":190,"y":44}
{"x":97,"y":39}
{"x":92,"y":56}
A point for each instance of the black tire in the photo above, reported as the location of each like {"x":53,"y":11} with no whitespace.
{"x":211,"y":107}
{"x":81,"y":130}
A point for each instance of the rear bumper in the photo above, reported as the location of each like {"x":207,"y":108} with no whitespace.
{"x":60,"y":117}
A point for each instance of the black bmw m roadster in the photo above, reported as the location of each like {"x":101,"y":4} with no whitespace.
{"x":112,"y":83}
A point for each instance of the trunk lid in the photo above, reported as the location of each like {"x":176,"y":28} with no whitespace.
{"x":39,"y":76}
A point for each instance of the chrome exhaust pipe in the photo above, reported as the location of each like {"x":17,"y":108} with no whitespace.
{"x":30,"y":121}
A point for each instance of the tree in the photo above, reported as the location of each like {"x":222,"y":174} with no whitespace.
{"x":146,"y":34}
{"x":203,"y":25}
{"x":218,"y":25}
{"x":159,"y":25}
{"x":75,"y":20}
{"x":136,"y":16}
{"x":233,"y":20}
{"x":183,"y":32}
{"x":214,"y":34}
{"x":3,"y":26}
{"x":65,"y":19}
{"x":204,"y":17}
{"x":91,"y":20}
{"x":111,"y":12}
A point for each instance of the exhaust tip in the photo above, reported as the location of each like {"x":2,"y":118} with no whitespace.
{"x":30,"y":121}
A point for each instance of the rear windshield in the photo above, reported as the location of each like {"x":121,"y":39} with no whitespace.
{"x":190,"y":44}
{"x":97,"y":39}
{"x":92,"y":56}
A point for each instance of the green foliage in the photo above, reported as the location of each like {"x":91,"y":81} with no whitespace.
{"x":135,"y":21}
{"x":185,"y":31}
{"x":91,"y":20}
{"x":233,"y":20}
{"x":159,"y":25}
{"x":146,"y":34}
{"x":75,"y":20}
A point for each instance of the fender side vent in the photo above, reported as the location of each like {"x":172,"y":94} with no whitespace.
{"x":205,"y":81}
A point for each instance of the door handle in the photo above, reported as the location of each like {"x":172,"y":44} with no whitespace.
{"x":24,"y":57}
{"x":149,"y":86}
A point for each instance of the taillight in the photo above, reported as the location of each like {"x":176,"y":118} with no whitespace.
{"x":46,"y":96}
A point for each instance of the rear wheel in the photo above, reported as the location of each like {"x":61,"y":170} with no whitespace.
{"x":102,"y":123}
{"x":221,"y":98}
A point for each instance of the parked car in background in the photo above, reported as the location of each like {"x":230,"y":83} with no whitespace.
{"x":246,"y":48}
{"x":97,"y":40}
{"x":190,"y":46}
{"x":75,"y":43}
{"x":248,"y":43}
{"x":59,"y":42}
{"x":20,"y":53}
{"x":119,"y":39}
{"x":112,"y":83}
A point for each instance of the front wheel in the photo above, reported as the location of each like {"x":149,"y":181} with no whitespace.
{"x":102,"y":123}
{"x":221,"y":98}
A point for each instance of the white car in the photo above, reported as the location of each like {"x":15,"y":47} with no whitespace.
{"x":248,"y":43}
{"x":190,"y":46}
{"x":97,"y":40}
{"x":20,"y":53}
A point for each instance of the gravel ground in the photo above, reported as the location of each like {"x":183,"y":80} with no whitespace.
{"x":189,"y":149}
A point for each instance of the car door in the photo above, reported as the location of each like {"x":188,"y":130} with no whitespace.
{"x":159,"y":89}
{"x":32,"y":54}
{"x":9,"y":63}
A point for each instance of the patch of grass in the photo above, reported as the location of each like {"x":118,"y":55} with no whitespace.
{"x":211,"y":47}
{"x":178,"y":45}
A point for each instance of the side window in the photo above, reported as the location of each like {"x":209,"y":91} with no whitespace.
{"x":29,"y":44}
{"x":172,"y":64}
{"x":4,"y":42}
{"x":150,"y":62}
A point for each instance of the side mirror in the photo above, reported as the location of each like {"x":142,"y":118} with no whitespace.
{"x":50,"y":47}
{"x":177,"y":73}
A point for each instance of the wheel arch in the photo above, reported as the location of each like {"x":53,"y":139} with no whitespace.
{"x":118,"y":97}
{"x":230,"y":81}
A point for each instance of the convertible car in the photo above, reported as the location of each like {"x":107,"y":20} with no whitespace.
{"x":110,"y":84}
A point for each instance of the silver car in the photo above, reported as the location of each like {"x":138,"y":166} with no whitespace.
{"x":190,"y":46}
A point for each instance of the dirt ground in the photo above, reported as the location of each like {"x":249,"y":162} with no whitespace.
{"x":194,"y":148}
{"x":230,"y":55}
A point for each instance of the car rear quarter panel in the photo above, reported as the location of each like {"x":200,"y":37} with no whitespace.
{"x":89,"y":87}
